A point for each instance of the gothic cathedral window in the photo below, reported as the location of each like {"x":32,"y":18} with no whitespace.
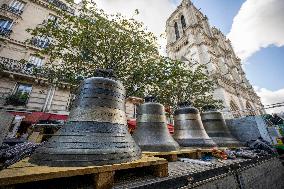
{"x":250,"y":110}
{"x":235,"y":109}
{"x":183,"y":24}
{"x":176,"y":31}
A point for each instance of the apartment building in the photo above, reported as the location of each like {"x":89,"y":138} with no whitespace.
{"x":21,"y":93}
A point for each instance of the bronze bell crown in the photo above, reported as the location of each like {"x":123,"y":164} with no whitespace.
{"x":189,"y":131}
{"x":152,"y":133}
{"x":96,"y":132}
{"x":217,"y":129}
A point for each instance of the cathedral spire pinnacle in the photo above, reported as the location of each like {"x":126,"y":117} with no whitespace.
{"x":186,"y":2}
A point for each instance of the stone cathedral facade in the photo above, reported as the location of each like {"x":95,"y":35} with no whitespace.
{"x":191,"y":39}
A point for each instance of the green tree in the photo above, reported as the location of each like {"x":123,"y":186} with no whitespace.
{"x":84,"y":42}
{"x":173,"y":82}
{"x":93,"y":40}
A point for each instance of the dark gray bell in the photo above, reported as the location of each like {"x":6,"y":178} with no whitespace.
{"x":217,"y":129}
{"x":189,"y":131}
{"x":152,"y":133}
{"x":96,"y":132}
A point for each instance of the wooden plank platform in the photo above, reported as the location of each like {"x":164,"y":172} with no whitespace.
{"x":194,"y":153}
{"x":170,"y":156}
{"x":25,"y":172}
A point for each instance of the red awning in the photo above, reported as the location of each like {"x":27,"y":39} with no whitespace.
{"x":58,"y":117}
{"x":36,"y":116}
{"x":132,"y":125}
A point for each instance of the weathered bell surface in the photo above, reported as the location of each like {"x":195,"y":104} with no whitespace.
{"x":152,"y":133}
{"x":189,"y":131}
{"x":217,"y":129}
{"x":96,"y":132}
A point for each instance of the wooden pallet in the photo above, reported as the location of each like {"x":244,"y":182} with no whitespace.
{"x":170,"y":156}
{"x":188,"y":153}
{"x":103,"y":176}
{"x":193,"y":153}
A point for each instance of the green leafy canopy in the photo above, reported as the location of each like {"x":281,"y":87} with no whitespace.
{"x":91,"y":39}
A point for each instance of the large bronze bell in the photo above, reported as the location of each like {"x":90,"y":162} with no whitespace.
{"x":217,"y":129}
{"x":189,"y":131}
{"x":152,"y":133}
{"x":96,"y":132}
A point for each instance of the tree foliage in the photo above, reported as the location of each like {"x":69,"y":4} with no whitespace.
{"x":91,"y":39}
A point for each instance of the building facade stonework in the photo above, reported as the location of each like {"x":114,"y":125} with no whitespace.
{"x":191,"y":40}
{"x":19,"y":89}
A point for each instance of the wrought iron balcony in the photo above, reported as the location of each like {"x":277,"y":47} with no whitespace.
{"x":22,"y":67}
{"x":17,"y":99}
{"x":61,"y":5}
{"x":11,"y":9}
{"x":5,"y":32}
{"x":41,"y":43}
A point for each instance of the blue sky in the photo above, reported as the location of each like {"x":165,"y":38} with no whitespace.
{"x":264,"y":68}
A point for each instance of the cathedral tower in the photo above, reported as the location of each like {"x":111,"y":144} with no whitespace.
{"x":191,"y":39}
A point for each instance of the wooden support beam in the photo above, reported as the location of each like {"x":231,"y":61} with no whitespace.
{"x":160,"y":170}
{"x":104,"y":180}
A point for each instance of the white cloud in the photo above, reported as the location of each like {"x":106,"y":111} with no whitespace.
{"x":271,"y":97}
{"x":258,"y":24}
{"x":153,"y":13}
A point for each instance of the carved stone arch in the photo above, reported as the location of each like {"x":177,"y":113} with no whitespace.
{"x":176,"y":30}
{"x":250,"y":109}
{"x":183,"y":22}
{"x":236,"y":75}
{"x":235,"y":109}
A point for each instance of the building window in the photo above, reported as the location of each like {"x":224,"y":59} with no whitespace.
{"x":5,"y":27}
{"x":176,"y":31}
{"x":36,"y":61}
{"x":7,"y":24}
{"x":41,"y":42}
{"x":183,"y":24}
{"x":21,"y":95}
{"x":52,"y":18}
{"x":17,"y":7}
{"x":24,"y":88}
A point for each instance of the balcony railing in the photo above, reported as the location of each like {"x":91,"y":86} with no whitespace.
{"x":12,"y":65}
{"x":17,"y":99}
{"x":11,"y":9}
{"x":61,"y":5}
{"x":5,"y":32}
{"x":41,"y":43}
